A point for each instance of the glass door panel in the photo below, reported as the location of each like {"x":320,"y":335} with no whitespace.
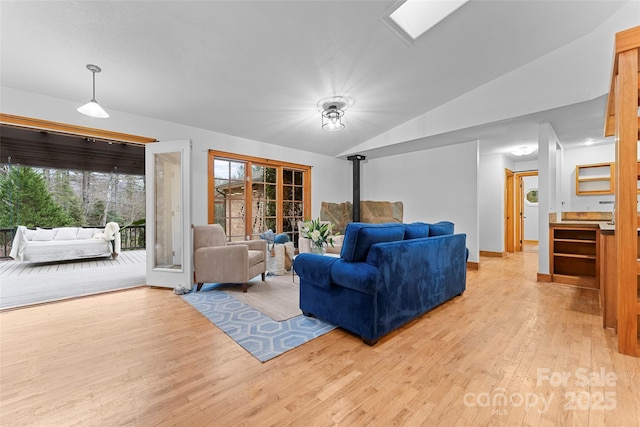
{"x":229,"y":197}
{"x":168,"y":233}
{"x":264,"y":200}
{"x":168,"y":214}
{"x":292,"y":202}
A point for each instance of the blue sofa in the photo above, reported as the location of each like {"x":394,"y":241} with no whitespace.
{"x":387,"y":275}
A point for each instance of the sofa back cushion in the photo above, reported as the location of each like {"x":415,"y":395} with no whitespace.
{"x":29,"y":234}
{"x":66,"y":233}
{"x":359,"y":237}
{"x":87,"y":233}
{"x":416,"y":230}
{"x":43,"y":235}
{"x":441,"y":228}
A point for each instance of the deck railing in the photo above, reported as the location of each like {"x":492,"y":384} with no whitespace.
{"x":132,"y":237}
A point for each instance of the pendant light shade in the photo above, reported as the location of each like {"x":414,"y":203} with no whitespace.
{"x":92,"y":108}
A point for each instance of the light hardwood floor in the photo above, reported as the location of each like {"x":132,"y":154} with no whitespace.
{"x":144,"y":357}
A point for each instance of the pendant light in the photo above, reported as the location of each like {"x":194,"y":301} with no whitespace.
{"x":92,"y":108}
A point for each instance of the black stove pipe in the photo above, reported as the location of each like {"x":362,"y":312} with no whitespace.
{"x":356,"y":159}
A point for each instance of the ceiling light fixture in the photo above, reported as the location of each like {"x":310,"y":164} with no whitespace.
{"x":332,"y":119}
{"x":92,"y":108}
{"x":523,"y":151}
{"x":331,"y":110}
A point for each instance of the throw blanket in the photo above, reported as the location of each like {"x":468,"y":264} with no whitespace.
{"x":109,"y":235}
{"x":109,"y":232}
{"x":277,"y":258}
{"x":19,"y":242}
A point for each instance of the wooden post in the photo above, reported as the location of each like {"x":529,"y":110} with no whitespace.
{"x":626,"y":125}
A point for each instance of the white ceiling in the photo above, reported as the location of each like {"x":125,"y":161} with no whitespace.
{"x":256,"y":69}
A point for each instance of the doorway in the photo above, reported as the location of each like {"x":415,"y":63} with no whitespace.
{"x":528,"y":188}
{"x":509,"y":212}
{"x":526,"y":211}
{"x":521,"y":211}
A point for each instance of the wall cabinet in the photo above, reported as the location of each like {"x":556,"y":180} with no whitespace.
{"x":596,"y":178}
{"x":574,"y":255}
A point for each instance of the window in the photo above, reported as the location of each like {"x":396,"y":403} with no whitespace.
{"x":248,"y":195}
{"x":532,"y":196}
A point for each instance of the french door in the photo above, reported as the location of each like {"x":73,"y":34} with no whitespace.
{"x":248,"y":196}
{"x":168,"y":216}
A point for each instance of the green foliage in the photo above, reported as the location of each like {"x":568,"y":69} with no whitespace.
{"x":27,"y":201}
{"x":64,"y":196}
{"x":94,"y":216}
{"x":114,"y":217}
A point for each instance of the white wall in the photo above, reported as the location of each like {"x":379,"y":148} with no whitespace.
{"x":583,"y":156}
{"x":433,"y":185}
{"x":529,"y":165}
{"x":548,"y":182}
{"x":328,"y":174}
{"x":491,"y":182}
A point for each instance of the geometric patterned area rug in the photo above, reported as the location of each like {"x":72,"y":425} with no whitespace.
{"x":256,"y":332}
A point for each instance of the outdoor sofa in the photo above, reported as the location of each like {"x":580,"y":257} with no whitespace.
{"x":387,"y":275}
{"x":65,"y":243}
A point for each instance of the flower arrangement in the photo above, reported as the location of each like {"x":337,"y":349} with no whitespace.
{"x":319,"y":233}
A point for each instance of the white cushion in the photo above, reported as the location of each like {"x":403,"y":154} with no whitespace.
{"x":66,"y":233}
{"x":86,"y":233}
{"x":43,"y":235}
{"x":28,"y":234}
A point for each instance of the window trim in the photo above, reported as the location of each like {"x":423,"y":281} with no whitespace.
{"x":250,"y":160}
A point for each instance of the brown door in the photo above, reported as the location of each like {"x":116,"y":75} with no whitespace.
{"x":509,"y":222}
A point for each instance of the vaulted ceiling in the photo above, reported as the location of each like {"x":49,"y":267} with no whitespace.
{"x":256,"y":69}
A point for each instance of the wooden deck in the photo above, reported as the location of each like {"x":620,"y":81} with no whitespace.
{"x":25,"y":283}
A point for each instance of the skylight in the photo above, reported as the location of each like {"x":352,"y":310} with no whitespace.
{"x":416,"y":17}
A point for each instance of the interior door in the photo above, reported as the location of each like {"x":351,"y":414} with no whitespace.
{"x":168,"y":215}
{"x":509,"y":211}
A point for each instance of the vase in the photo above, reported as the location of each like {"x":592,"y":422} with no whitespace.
{"x":318,"y":248}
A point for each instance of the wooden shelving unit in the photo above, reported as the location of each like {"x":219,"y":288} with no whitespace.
{"x":596,"y":178}
{"x":574,"y":256}
{"x":622,"y":121}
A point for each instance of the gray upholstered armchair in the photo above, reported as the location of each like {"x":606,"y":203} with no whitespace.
{"x":217,"y":261}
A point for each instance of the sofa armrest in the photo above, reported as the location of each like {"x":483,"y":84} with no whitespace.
{"x":358,"y":276}
{"x":315,"y":269}
{"x":117,"y":244}
{"x":19,"y":243}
